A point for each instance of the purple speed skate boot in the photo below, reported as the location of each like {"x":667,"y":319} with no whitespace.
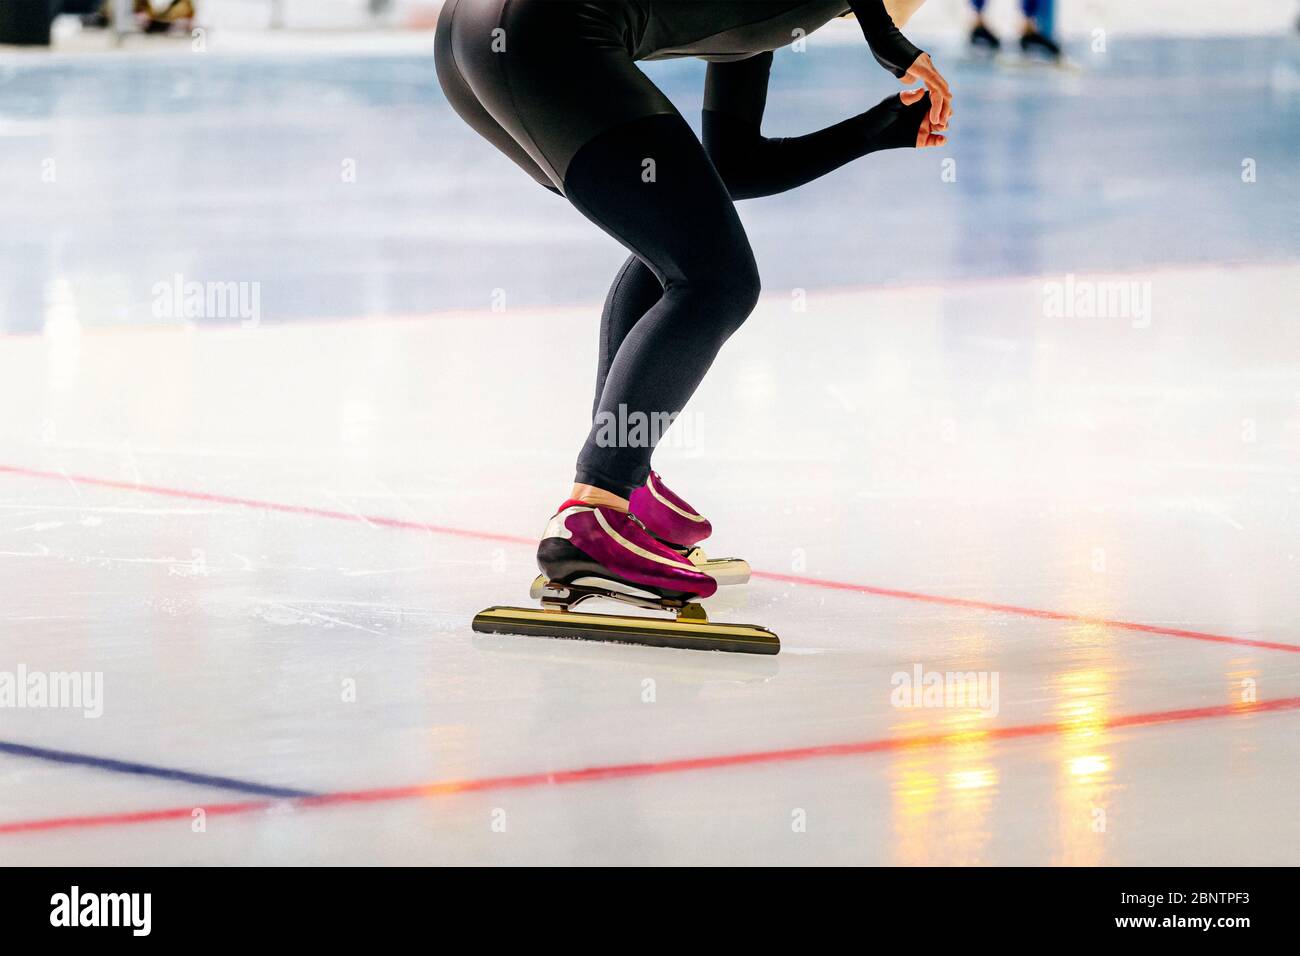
{"x":670,"y":519}
{"x":591,"y":544}
{"x":590,"y":551}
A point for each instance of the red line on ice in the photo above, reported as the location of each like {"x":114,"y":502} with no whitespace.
{"x":622,"y":771}
{"x":386,"y":522}
{"x":263,"y":505}
{"x":1029,"y":612}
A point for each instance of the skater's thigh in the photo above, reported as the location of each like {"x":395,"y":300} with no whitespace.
{"x":649,"y":184}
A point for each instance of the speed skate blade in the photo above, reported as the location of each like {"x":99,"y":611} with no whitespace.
{"x":620,"y":629}
{"x":726,"y":571}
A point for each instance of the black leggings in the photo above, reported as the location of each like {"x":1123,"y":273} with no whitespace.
{"x":694,"y":281}
{"x":565,"y":101}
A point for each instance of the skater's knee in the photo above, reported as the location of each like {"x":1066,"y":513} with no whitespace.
{"x":736,"y":294}
{"x":748,"y":287}
{"x":752,"y":290}
{"x":727,"y":295}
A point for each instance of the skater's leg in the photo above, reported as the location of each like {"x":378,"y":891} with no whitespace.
{"x":752,"y":165}
{"x":649,"y":184}
{"x":560,"y":81}
{"x":633,"y":294}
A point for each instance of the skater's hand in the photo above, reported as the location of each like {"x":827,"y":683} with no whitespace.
{"x":923,"y":71}
{"x":925,"y":134}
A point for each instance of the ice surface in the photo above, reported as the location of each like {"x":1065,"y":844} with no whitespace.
{"x":270,"y":539}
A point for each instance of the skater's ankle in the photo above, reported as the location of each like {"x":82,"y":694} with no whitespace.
{"x":591,"y":495}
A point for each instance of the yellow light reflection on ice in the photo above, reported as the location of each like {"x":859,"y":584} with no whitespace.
{"x":1082,"y":710}
{"x":942,"y":787}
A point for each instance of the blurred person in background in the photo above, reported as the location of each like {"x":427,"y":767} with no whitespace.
{"x":177,"y":15}
{"x":1033,"y":41}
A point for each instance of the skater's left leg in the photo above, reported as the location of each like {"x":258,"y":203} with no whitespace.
{"x":634,"y":292}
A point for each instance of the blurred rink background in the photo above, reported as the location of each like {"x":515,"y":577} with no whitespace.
{"x":227,"y":153}
{"x":311,"y":476}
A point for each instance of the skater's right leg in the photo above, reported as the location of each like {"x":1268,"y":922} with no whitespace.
{"x":752,"y":165}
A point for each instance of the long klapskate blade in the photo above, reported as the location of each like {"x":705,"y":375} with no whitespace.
{"x":620,"y":629}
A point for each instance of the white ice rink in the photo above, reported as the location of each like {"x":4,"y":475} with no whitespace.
{"x":235,"y":558}
{"x":269,"y":537}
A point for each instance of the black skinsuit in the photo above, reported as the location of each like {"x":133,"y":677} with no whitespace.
{"x":554,"y":85}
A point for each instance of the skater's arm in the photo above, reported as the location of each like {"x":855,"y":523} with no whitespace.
{"x":891,"y":49}
{"x":753,"y":165}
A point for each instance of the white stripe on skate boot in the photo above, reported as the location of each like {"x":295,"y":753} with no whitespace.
{"x":650,"y":487}
{"x":637,"y":549}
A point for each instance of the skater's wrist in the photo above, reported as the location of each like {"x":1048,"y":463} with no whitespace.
{"x":891,"y":49}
